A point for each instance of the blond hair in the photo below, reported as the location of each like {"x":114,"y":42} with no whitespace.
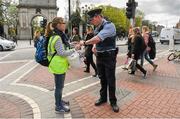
{"x":37,"y":34}
{"x":56,"y":21}
{"x":145,"y":28}
{"x":49,"y":29}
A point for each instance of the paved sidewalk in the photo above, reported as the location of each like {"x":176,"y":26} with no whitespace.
{"x":155,"y":97}
{"x":28,"y":92}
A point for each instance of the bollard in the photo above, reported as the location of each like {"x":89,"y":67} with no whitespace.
{"x":171,"y":44}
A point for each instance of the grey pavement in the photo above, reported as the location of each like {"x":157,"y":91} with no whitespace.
{"x":82,"y":92}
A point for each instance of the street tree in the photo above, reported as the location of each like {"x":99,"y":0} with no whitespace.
{"x":116,"y":15}
{"x":75,"y":19}
{"x":9,"y":15}
{"x":139,"y":17}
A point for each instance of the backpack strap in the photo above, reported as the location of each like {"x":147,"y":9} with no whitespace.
{"x":51,"y":49}
{"x":102,"y":26}
{"x":52,"y":57}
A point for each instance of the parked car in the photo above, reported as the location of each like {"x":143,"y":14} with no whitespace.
{"x":168,"y":34}
{"x":6,"y":44}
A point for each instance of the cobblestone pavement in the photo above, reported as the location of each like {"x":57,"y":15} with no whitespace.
{"x":27,"y":91}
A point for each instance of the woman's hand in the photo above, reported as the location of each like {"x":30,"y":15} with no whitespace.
{"x":81,"y":42}
{"x":148,"y":48}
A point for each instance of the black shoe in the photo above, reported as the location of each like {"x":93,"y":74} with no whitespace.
{"x":115,"y":107}
{"x":99,"y":102}
{"x":155,"y":66}
{"x":94,"y":75}
{"x":86,"y":71}
{"x":125,"y":68}
{"x":132,"y":73}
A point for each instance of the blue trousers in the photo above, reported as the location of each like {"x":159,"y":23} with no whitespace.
{"x":59,"y":85}
{"x":146,"y":56}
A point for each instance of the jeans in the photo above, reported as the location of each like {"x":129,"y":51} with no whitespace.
{"x":146,"y":56}
{"x":59,"y":85}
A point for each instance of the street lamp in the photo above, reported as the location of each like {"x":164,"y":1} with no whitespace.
{"x":69,"y":2}
{"x":85,"y":9}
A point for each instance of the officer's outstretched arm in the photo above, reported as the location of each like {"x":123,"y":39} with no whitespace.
{"x":93,"y":40}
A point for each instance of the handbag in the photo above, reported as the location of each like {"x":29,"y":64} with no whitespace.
{"x":131,"y":64}
{"x":128,"y":65}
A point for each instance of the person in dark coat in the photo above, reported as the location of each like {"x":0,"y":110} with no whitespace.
{"x":130,"y":36}
{"x":89,"y":53}
{"x":137,"y":44}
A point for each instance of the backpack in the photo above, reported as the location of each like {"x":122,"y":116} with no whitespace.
{"x":41,"y":51}
{"x":152,"y":45}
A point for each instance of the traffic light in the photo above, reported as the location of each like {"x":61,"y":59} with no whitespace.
{"x":43,"y":23}
{"x":129,"y":10}
{"x":131,"y":7}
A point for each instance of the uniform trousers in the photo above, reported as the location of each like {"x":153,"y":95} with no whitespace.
{"x":106,"y":65}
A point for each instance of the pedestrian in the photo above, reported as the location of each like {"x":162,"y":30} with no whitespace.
{"x":137,"y":50}
{"x":129,"y":44}
{"x":59,"y":64}
{"x":106,"y":53}
{"x":145,"y":34}
{"x":75,"y":37}
{"x":37,"y":35}
{"x":88,"y":51}
{"x":15,"y":39}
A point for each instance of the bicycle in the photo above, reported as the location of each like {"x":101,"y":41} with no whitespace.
{"x":174,"y":55}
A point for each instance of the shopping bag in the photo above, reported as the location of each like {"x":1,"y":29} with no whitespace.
{"x":132,"y":65}
{"x":129,"y":63}
{"x":74,"y":60}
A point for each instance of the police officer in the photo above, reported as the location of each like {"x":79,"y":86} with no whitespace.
{"x":105,"y":50}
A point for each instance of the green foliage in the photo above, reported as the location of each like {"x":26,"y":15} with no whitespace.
{"x":115,"y":15}
{"x":8,"y":15}
{"x":12,"y":15}
{"x":138,"y":21}
{"x":1,"y":12}
{"x":75,"y":18}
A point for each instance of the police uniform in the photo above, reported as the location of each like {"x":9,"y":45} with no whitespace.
{"x":106,"y":58}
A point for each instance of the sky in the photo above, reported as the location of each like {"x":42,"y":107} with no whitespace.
{"x":164,"y":12}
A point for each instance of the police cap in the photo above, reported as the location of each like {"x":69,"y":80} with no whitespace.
{"x":94,"y":12}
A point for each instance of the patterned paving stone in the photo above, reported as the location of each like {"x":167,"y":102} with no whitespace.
{"x":13,"y":107}
{"x":152,"y":98}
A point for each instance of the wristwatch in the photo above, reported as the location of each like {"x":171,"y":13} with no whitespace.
{"x":84,"y":42}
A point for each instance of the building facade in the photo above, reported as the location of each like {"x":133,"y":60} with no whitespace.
{"x":28,"y":10}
